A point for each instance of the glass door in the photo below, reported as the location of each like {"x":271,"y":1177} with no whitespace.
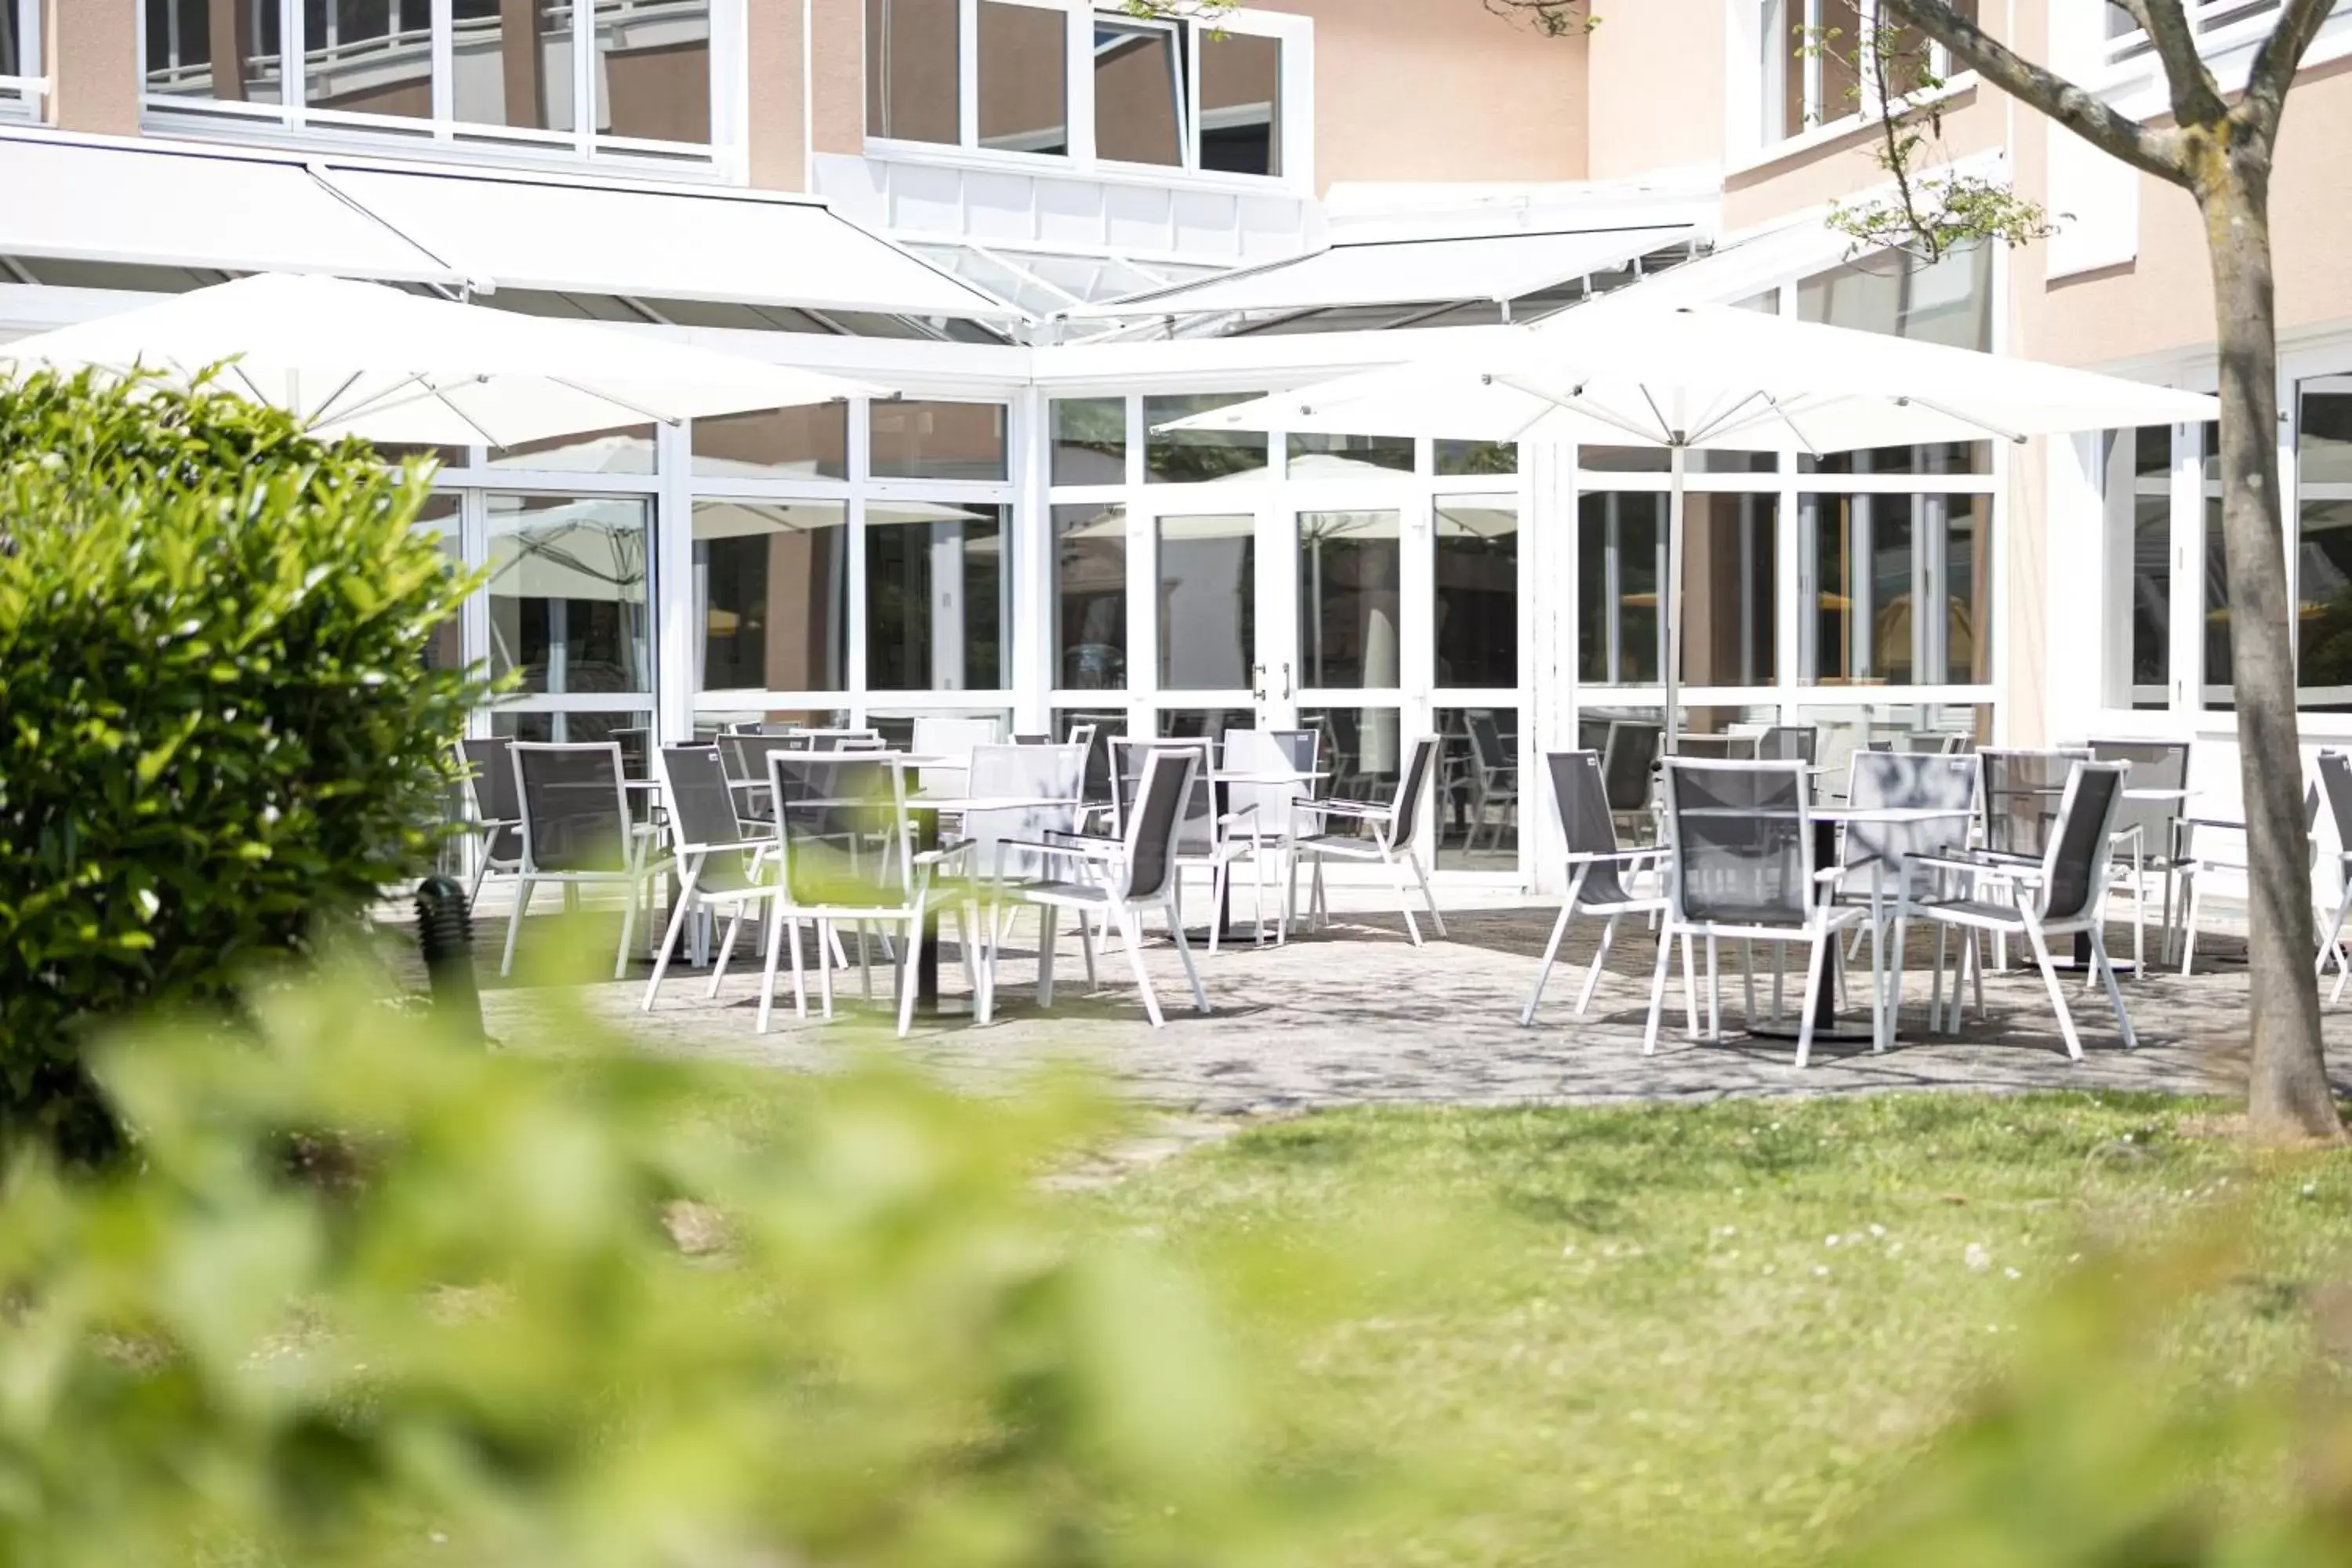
{"x":1214,"y":619}
{"x":1347,"y":636}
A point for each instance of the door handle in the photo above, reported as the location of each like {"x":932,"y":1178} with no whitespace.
{"x":1257,"y":689}
{"x":1285,"y":682}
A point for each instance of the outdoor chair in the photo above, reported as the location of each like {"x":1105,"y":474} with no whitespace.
{"x":2066,"y":895}
{"x":576,"y":831}
{"x":2018,"y":796}
{"x":1493,"y":778}
{"x":1203,"y":835}
{"x":1741,"y":847}
{"x":1629,"y":761}
{"x":997,"y":860}
{"x":496,"y":811}
{"x":1788,"y":743}
{"x":1598,"y":872}
{"x":1717,"y":747}
{"x":846,"y":852}
{"x":745,"y":761}
{"x":2200,"y":856}
{"x":2336,"y":778}
{"x":1265,"y":820}
{"x":955,"y":740}
{"x":1880,"y":858}
{"x":1118,"y":883}
{"x":2148,"y":833}
{"x":1389,"y":838}
{"x":719,"y":857}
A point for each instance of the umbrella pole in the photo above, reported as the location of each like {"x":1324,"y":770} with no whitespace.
{"x":1672,"y":590}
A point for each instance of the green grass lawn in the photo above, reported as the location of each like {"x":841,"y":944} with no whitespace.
{"x":1680,"y":1333}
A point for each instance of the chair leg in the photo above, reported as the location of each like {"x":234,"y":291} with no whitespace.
{"x":1221,"y":886}
{"x":1184,"y":951}
{"x":1599,"y":957}
{"x":1748,"y":979}
{"x":2115,"y":991}
{"x":1421,"y":875}
{"x":1550,"y":955}
{"x":2057,"y":992}
{"x":1658,"y":988}
{"x":1690,"y":986}
{"x":523,"y":888}
{"x":481,"y":873}
{"x":1131,"y":925}
{"x":1975,"y":961}
{"x":768,"y":974}
{"x":1936,"y":987}
{"x":800,"y":979}
{"x":909,"y":975}
{"x":1404,"y":894}
{"x":825,"y":972}
{"x":2188,"y":926}
{"x":669,"y":942}
{"x":726,"y":952}
{"x":1823,"y":941}
{"x":1087,"y":949}
{"x":1713,"y":995}
{"x":2335,"y":927}
{"x":1048,"y":918}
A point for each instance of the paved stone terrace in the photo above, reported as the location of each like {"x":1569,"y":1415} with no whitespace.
{"x":1354,"y":1014}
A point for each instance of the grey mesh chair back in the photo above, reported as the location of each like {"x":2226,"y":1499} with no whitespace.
{"x":1717,"y":748}
{"x":1033,"y":739}
{"x":1405,"y":821}
{"x":2155,"y":765}
{"x":703,"y":819}
{"x":1580,"y":795}
{"x":2336,"y":780}
{"x":1080,"y":735}
{"x":1742,"y":838}
{"x":1486,"y":748}
{"x":575,"y":814}
{"x":2020,"y":798}
{"x":749,"y":766}
{"x":1024,"y":772}
{"x":1913,"y":779}
{"x":2074,"y":869}
{"x":1627,"y":760}
{"x":1130,"y":758}
{"x":490,"y":782}
{"x":1269,"y":752}
{"x":636,"y":752}
{"x":1168,"y":778}
{"x":841,"y":829}
{"x":1788,"y":743}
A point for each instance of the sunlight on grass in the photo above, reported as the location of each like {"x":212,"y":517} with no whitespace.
{"x":1708,"y":1332}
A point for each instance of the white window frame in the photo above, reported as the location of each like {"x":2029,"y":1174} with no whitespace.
{"x":444,"y":135}
{"x":1294,"y":112}
{"x":1760,"y":31}
{"x":22,"y":95}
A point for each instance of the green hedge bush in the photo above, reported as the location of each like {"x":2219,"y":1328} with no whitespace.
{"x":216,"y":730}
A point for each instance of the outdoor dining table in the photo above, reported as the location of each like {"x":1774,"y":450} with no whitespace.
{"x":925,"y":810}
{"x":1827,"y":820}
{"x":1222,"y":779}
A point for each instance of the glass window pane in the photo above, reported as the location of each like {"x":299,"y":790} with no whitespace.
{"x":510,"y":63}
{"x":438,"y":517}
{"x":576,"y":729}
{"x":12,"y":47}
{"x":935,"y":582}
{"x":1024,"y":76}
{"x":1349,"y":598}
{"x":1241,"y":103}
{"x":1208,"y":610}
{"x":1186,"y":456}
{"x":1139,"y":94}
{"x":1362,"y":750}
{"x":913,"y":440}
{"x":568,"y":605}
{"x":653,"y":69}
{"x":772,"y":595}
{"x":369,"y":57}
{"x":184,"y":37}
{"x":2152,"y":604}
{"x":1478,"y":581}
{"x":2152,"y":451}
{"x":1090,"y":440}
{"x":1730,"y":590}
{"x":1839,"y":37}
{"x":2323,"y":578}
{"x":1621,"y":550}
{"x":1348,"y":456}
{"x":1939,"y":457}
{"x":808,"y":442}
{"x":912,"y":67}
{"x":1476,"y":456}
{"x":628,"y":450}
{"x":1960,"y":650}
{"x":2219,"y":681}
{"x":1478,"y":797}
{"x":1892,"y":291}
{"x":1090,"y":597}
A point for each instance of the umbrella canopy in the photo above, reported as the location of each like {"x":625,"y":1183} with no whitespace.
{"x":369,"y":360}
{"x":1712,"y":378}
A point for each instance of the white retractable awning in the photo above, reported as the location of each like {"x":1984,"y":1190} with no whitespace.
{"x":1404,"y":271}
{"x":80,"y":200}
{"x":522,"y":233}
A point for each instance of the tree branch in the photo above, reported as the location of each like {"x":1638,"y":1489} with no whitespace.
{"x":2277,"y":60}
{"x":2119,"y":135}
{"x":2196,"y":96}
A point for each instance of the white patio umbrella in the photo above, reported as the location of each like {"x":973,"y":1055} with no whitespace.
{"x":369,"y":359}
{"x":1710,"y":378}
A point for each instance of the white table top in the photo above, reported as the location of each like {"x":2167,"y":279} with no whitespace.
{"x":1249,"y":776}
{"x":1891,"y":814}
{"x":970,"y":804}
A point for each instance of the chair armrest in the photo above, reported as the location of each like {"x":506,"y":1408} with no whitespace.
{"x":2006,"y":870}
{"x":1083,"y":850}
{"x":1628,"y":856}
{"x":1357,"y":808}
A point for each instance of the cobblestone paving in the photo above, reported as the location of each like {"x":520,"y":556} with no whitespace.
{"x":1355,"y":1015}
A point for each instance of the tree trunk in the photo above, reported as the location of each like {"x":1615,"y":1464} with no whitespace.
{"x":2288,"y":1097}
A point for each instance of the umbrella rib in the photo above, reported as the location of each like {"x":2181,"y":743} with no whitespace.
{"x":1674,"y":437}
{"x":2009,"y":436}
{"x":1717,"y":424}
{"x":615,"y":402}
{"x":320,"y":417}
{"x":380,"y":399}
{"x":471,"y":423}
{"x":1606,"y":416}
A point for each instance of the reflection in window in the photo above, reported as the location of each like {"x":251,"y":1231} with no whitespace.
{"x":912,"y":92}
{"x":1454,"y":458}
{"x":1808,"y":70}
{"x":1024,"y":78}
{"x":652,"y":70}
{"x":1869,"y":562}
{"x":369,"y":57}
{"x":1478,"y":796}
{"x":935,"y":585}
{"x":1313,"y":457}
{"x":438,"y":517}
{"x":2323,"y":567}
{"x":1362,"y":748}
{"x":917,"y":440}
{"x":1089,"y":440}
{"x":512,"y":64}
{"x":1349,"y":598}
{"x":628,"y":450}
{"x":1188,"y":456}
{"x":808,"y":442}
{"x":1139,"y":93}
{"x":567,"y":591}
{"x":772,"y":595}
{"x":1892,"y":291}
{"x":575,"y":729}
{"x":16,"y":56}
{"x":1621,"y":557}
{"x":1730,"y":590}
{"x":1090,"y":597}
{"x":1207,"y":601}
{"x":227,"y":50}
{"x":1477,"y":584}
{"x":1241,"y":103}
{"x":2135,"y":480}
{"x":1937,"y":457}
